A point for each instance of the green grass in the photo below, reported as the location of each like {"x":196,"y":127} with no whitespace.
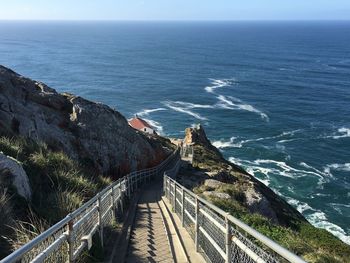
{"x":59,"y":186}
{"x":313,"y":244}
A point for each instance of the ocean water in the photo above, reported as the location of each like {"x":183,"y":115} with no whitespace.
{"x":273,"y":96}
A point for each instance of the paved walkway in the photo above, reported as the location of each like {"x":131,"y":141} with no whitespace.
{"x":149,"y":241}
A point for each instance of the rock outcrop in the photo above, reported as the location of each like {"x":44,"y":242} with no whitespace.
{"x":15,"y":173}
{"x":222,"y":179}
{"x":85,"y":130}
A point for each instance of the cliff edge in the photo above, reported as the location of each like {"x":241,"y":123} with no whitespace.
{"x":85,"y":130}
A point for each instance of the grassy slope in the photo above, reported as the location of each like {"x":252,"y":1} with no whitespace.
{"x":59,"y":186}
{"x":314,"y":244}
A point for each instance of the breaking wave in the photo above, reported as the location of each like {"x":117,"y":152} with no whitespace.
{"x":220,"y":144}
{"x":186,"y":107}
{"x":345,"y":167}
{"x":146,"y":112}
{"x":233,"y":103}
{"x":341,"y":133}
{"x":269,"y":168}
{"x":219,"y":83}
{"x":316,"y":217}
{"x":233,"y":143}
{"x":319,"y":219}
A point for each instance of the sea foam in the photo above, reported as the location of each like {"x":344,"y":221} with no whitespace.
{"x":186,"y":107}
{"x":316,"y":217}
{"x":219,"y":83}
{"x":233,"y":103}
{"x":146,"y":112}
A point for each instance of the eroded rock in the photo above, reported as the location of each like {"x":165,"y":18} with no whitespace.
{"x":216,"y":195}
{"x":11,"y":168}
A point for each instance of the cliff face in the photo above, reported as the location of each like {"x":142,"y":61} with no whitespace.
{"x":85,"y":130}
{"x":218,"y":178}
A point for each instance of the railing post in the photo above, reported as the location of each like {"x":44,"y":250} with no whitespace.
{"x":70,"y":241}
{"x":164,"y":186}
{"x":121,"y":199}
{"x":228,"y":240}
{"x":183,"y":207}
{"x":113,"y":203}
{"x":175,"y":197}
{"x":100,"y":223}
{"x":197,"y":225}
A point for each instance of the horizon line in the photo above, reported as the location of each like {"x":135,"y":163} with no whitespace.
{"x":175,"y":20}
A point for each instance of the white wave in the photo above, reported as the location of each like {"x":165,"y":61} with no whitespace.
{"x":189,"y":105}
{"x":158,"y":127}
{"x":303,"y":164}
{"x":345,"y":132}
{"x":341,"y":133}
{"x":146,"y":112}
{"x":272,"y":167}
{"x":319,"y":219}
{"x":288,"y":171}
{"x":185,"y":107}
{"x":252,"y":169}
{"x":220,"y":144}
{"x":344,"y":167}
{"x":218,"y":83}
{"x":291,"y":132}
{"x":233,"y":103}
{"x":287,"y":140}
{"x":233,"y":143}
{"x":315,"y":217}
{"x":300,"y":206}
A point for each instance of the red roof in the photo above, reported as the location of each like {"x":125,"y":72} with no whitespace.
{"x":139,"y":124}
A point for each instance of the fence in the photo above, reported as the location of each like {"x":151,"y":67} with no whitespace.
{"x":219,"y":236}
{"x":66,"y":240}
{"x":187,"y":153}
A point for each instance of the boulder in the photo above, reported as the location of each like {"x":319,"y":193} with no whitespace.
{"x":216,"y":195}
{"x":258,"y":203}
{"x":213,"y":184}
{"x":17,"y":176}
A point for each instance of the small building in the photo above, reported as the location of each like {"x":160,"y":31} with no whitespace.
{"x":141,"y":125}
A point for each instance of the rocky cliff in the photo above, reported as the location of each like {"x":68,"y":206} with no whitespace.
{"x":217,"y":178}
{"x":85,"y":130}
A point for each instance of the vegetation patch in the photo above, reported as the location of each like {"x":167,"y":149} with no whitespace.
{"x":59,"y":186}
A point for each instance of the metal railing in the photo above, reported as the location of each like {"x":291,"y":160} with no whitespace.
{"x":187,"y":152}
{"x":219,"y":236}
{"x":66,"y":240}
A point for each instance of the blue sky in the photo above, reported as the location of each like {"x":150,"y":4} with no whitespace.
{"x":175,"y":9}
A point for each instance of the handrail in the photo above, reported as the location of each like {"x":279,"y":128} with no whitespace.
{"x":73,"y":228}
{"x":234,"y":228}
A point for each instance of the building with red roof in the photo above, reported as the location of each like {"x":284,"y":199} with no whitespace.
{"x":141,"y":125}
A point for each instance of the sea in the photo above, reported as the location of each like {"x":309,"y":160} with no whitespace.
{"x":273,"y":96}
